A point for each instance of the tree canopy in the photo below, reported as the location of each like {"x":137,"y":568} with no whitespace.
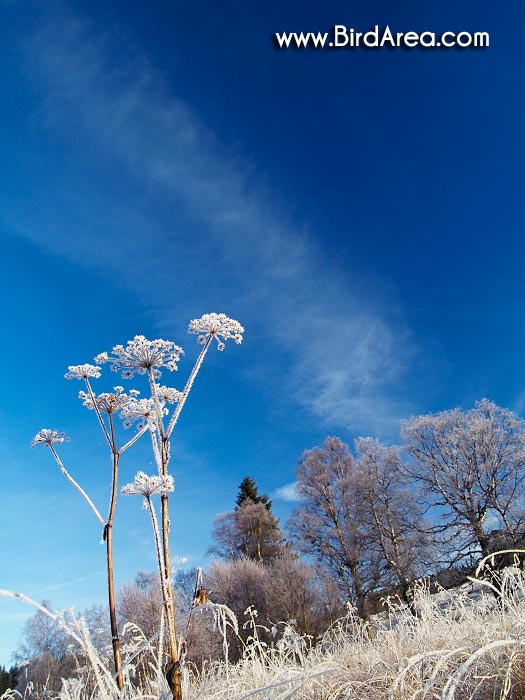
{"x":249,"y":491}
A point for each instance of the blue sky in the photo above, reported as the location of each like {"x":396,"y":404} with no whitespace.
{"x":359,"y":212}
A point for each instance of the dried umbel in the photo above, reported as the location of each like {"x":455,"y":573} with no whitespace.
{"x":48,"y":437}
{"x":83,"y":372}
{"x":216,"y":326}
{"x":108,"y":402}
{"x":167,"y":394}
{"x":144,"y":485}
{"x":140,"y":356}
{"x":142,"y":410}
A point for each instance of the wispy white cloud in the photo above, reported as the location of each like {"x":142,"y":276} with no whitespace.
{"x":287,"y":493}
{"x":346,"y":351}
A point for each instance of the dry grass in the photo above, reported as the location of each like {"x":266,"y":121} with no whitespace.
{"x":464,"y":645}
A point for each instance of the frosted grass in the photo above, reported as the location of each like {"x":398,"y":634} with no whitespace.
{"x":465,"y":644}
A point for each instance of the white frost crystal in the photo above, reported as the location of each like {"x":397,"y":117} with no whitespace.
{"x":47,"y":437}
{"x":140,"y":355}
{"x":83,"y":372}
{"x":217,"y":325}
{"x":144,"y":485}
{"x":108,"y":402}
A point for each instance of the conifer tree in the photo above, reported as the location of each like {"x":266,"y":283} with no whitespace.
{"x":251,"y":530}
{"x":248,"y":491}
{"x":4,"y":675}
{"x":7,"y":679}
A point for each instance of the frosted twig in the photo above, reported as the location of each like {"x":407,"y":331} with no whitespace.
{"x":134,"y":439}
{"x":156,"y":402}
{"x":77,"y":486}
{"x":187,"y":388}
{"x":99,"y":415}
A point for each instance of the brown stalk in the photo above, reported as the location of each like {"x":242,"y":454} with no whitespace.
{"x":108,"y":536}
{"x":173,"y":671}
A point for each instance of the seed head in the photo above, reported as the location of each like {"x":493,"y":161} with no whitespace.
{"x":218,"y":326}
{"x":144,"y":485}
{"x":108,"y":402}
{"x":83,"y":372}
{"x":48,"y":437}
{"x":141,"y":355}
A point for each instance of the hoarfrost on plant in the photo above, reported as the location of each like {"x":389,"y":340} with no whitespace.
{"x":140,"y":356}
{"x":218,"y":326}
{"x":83,"y":372}
{"x":144,"y":485}
{"x":108,"y":402}
{"x":168,"y":395}
{"x":142,"y":410}
{"x":48,"y":437}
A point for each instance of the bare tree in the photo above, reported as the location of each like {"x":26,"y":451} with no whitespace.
{"x":250,"y":531}
{"x":42,"y":635}
{"x":303,"y":593}
{"x":471,"y":467}
{"x":395,"y":522}
{"x":141,"y":602}
{"x":330,"y":523}
{"x":282,"y":590}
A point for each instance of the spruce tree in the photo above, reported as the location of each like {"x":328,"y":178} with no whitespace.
{"x":7,"y":679}
{"x":248,"y":491}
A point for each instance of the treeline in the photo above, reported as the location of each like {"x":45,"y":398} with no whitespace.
{"x":8,"y":678}
{"x":370,"y":521}
{"x":377,"y":519}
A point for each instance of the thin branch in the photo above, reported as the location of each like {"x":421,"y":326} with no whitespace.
{"x":156,"y":401}
{"x":166,"y":588}
{"x":187,"y":388}
{"x":77,"y":486}
{"x":99,"y":415}
{"x":134,"y":439}
{"x":54,"y":616}
{"x":156,"y":449}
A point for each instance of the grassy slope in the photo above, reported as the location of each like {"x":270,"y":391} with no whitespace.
{"x":464,"y":644}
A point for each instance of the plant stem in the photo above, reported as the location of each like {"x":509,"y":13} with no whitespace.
{"x":155,"y":448}
{"x":156,"y":401}
{"x":77,"y":486}
{"x":167,"y":600}
{"x":134,"y":439}
{"x":188,"y":386}
{"x":97,"y":411}
{"x":173,"y":673}
{"x":108,"y":535}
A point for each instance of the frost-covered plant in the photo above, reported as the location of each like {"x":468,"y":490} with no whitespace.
{"x":150,"y":414}
{"x":463,"y":646}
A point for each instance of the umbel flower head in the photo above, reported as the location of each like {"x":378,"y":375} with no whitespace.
{"x":144,"y":485}
{"x":83,"y":372}
{"x":142,"y":410}
{"x":218,"y":326}
{"x":108,"y":402}
{"x":168,"y":395}
{"x":141,"y":355}
{"x":48,"y":437}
